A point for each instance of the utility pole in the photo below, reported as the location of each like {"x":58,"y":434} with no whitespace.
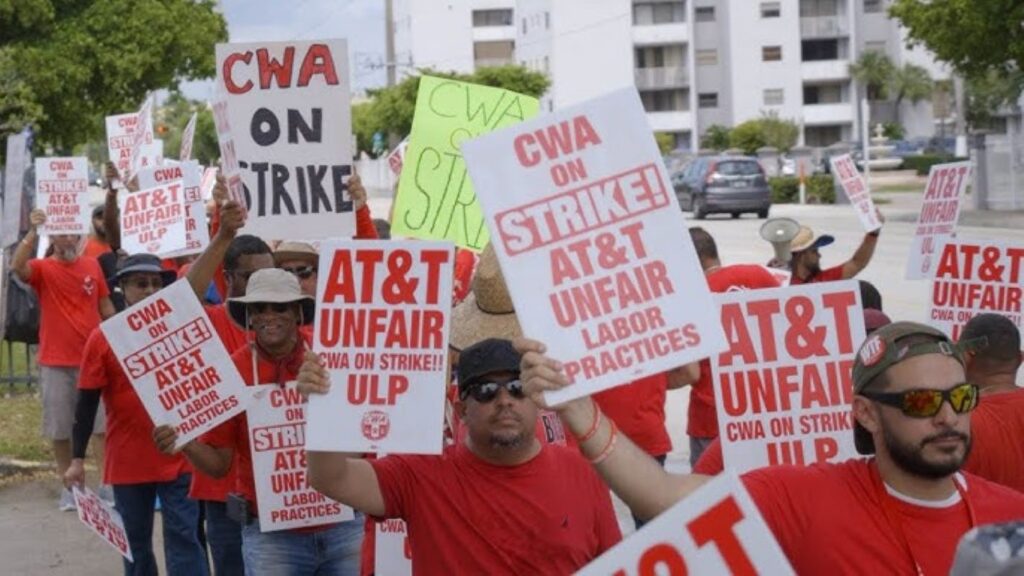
{"x":389,"y":40}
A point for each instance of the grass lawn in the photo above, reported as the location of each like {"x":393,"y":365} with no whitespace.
{"x":21,"y":412}
{"x":900,"y":188}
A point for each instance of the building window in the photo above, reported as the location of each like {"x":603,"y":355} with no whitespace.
{"x":811,"y":50}
{"x":667,"y":56}
{"x":704,"y":14}
{"x":832,"y":93}
{"x":871,"y":6}
{"x":664,"y":100}
{"x":707,"y":100}
{"x":771,"y":53}
{"x":771,"y":9}
{"x":774,"y":97}
{"x":482,"y":18}
{"x":815,"y":8}
{"x":822,"y":136}
{"x":707,"y":57}
{"x":654,"y":12}
{"x":493,"y":53}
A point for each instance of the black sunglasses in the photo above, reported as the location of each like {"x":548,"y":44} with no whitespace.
{"x":144,"y":283}
{"x":263,"y":307}
{"x":925,"y":403}
{"x":302,"y":273}
{"x":484,"y":392}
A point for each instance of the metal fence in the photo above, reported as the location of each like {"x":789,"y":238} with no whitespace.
{"x":18,"y":364}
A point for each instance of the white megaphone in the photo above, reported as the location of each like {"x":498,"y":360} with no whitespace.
{"x":779,"y":231}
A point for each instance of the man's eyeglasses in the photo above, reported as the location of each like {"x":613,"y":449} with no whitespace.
{"x":925,"y":403}
{"x":487,"y":391}
{"x":263,"y":307}
{"x":302,"y":272}
{"x":144,"y":283}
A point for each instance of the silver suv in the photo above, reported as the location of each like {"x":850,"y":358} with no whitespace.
{"x":722,"y":184}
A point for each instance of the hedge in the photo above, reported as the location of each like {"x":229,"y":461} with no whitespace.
{"x":924,"y":162}
{"x":786,"y":189}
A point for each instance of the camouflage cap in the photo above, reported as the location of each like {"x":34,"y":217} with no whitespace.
{"x":882,"y":349}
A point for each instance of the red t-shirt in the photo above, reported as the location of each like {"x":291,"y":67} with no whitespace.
{"x":204,"y":487}
{"x":826,"y":275}
{"x":551,"y":515}
{"x":94,"y":248}
{"x":638,"y":409}
{"x":710,"y":462}
{"x":69,"y":306}
{"x":702,"y":420}
{"x":997,"y":431}
{"x":131,"y":456}
{"x":829,"y":519}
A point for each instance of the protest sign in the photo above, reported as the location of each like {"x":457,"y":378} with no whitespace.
{"x":102,"y":519}
{"x":62,"y":191}
{"x":139,"y":139}
{"x":392,"y":554}
{"x":844,"y":169}
{"x":120,"y":135}
{"x":288,"y":113}
{"x":940,"y":210}
{"x":396,"y":157}
{"x":208,"y":182}
{"x":187,"y":136}
{"x":178,"y":366}
{"x":975,"y":276}
{"x":229,"y":167}
{"x":605,"y":270}
{"x":436,"y":198}
{"x":382,"y":331}
{"x":188,"y":175}
{"x":782,"y":388}
{"x":715,"y":530}
{"x":153,"y":219}
{"x":277,"y":428}
{"x":14,"y":181}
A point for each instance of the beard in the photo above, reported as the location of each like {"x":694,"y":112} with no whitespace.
{"x":66,"y":254}
{"x":507,"y":439}
{"x":911,"y":458}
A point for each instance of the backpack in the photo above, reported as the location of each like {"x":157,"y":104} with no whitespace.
{"x":22,"y":321}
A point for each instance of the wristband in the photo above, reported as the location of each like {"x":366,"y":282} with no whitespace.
{"x":607,"y":451}
{"x":593,"y":426}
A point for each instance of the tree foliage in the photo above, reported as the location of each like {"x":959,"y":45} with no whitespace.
{"x":987,"y":94}
{"x":975,"y":36}
{"x":666,"y":142}
{"x":768,"y":130}
{"x":73,"y":62}
{"x":390,"y":110}
{"x":875,"y":70}
{"x":716,"y":137}
{"x":171,"y":119}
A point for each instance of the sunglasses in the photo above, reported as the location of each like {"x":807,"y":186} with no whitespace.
{"x":487,"y":391}
{"x":303,"y":273}
{"x":263,"y":307}
{"x":144,"y":283}
{"x":924,"y":403}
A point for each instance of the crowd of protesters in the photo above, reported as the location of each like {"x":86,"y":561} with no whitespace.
{"x":521,"y":487}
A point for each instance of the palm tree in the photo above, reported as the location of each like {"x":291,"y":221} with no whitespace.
{"x":874,"y":70}
{"x":913,"y":83}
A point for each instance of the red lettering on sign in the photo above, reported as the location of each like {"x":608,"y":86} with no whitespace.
{"x":148,"y":314}
{"x":317,"y":61}
{"x":716,"y":526}
{"x":555,"y":140}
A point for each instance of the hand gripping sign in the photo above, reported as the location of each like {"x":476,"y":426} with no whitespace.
{"x":436,"y":199}
{"x":102,"y":519}
{"x":856,"y":190}
{"x":383,"y":310}
{"x":782,"y":389}
{"x":277,"y":430}
{"x":176,"y":363}
{"x":188,"y":175}
{"x":715,"y":530}
{"x":975,"y":276}
{"x":593,"y":244}
{"x":154,"y":220}
{"x":940,"y":211}
{"x":62,"y":191}
{"x":289,"y":119}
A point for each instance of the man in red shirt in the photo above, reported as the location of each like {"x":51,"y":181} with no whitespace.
{"x":276,"y":309}
{"x":73,"y":299}
{"x":523,"y":507}
{"x":900,"y":512}
{"x":137,"y":471}
{"x":806,"y":261}
{"x":997,"y":426}
{"x":702,"y":421}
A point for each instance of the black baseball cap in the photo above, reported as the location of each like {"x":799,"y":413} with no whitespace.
{"x":144,"y":264}
{"x":486,"y":357}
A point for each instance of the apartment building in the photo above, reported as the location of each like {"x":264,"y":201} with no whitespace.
{"x":695,"y":63}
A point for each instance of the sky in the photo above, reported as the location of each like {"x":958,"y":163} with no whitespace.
{"x":361,"y":22}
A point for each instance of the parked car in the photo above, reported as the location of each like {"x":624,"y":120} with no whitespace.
{"x":723,"y":184}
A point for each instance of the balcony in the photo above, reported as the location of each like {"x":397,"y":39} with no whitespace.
{"x":673,"y":121}
{"x":492,"y":62}
{"x":824,"y":27}
{"x":838,"y":113}
{"x":821,"y":70}
{"x":660,"y":78}
{"x":494,"y":33}
{"x":654,"y":34}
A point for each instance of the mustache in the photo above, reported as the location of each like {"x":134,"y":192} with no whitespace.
{"x":504,"y":413}
{"x":946,"y":435}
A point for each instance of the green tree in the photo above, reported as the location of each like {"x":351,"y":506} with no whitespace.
{"x":390,"y":110}
{"x":74,"y":62}
{"x":875,"y":70}
{"x":975,"y":36}
{"x":986,"y":94}
{"x":172,"y":117}
{"x":768,"y":130}
{"x":747,"y":136}
{"x":911,"y":82}
{"x":716,"y":137}
{"x":666,"y":142}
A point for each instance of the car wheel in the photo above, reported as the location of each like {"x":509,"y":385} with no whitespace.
{"x":699,"y":211}
{"x":762,"y":214}
{"x":735,"y":215}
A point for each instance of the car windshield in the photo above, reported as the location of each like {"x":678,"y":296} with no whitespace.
{"x":738,"y":168}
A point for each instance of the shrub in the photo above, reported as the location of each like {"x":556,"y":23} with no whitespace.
{"x":821,"y":189}
{"x":924,"y":162}
{"x":786,"y":189}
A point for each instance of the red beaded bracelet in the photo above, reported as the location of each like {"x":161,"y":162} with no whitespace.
{"x":608,"y":448}
{"x":593,"y":427}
